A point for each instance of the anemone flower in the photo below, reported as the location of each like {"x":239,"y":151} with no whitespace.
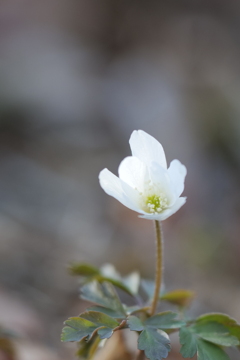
{"x":145,"y":184}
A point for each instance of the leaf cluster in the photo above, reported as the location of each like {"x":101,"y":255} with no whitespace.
{"x":206,"y":336}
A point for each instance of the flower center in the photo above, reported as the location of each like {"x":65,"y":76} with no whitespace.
{"x":155,"y":204}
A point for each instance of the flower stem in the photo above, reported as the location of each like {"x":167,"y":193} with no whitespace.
{"x":158,"y":276}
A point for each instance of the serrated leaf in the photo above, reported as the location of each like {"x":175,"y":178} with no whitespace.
{"x":77,"y":329}
{"x":221,"y":339}
{"x":89,"y":322}
{"x":188,"y":341}
{"x":208,"y":351}
{"x":134,"y":323}
{"x":102,"y":294}
{"x":212,"y":333}
{"x":164,"y":320}
{"x":215,"y":333}
{"x":155,"y":343}
{"x":230,"y":323}
{"x":153,"y":340}
{"x":83,"y":269}
{"x":180,"y":297}
{"x":216,"y":317}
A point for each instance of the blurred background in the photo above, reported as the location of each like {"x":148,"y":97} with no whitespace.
{"x":77,"y":77}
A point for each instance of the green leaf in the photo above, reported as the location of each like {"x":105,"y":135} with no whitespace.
{"x":188,"y":341}
{"x":134,"y":323}
{"x":221,"y":339}
{"x":105,"y":333}
{"x":180,"y":297}
{"x":83,"y":269}
{"x":77,"y":329}
{"x":153,"y":340}
{"x":230,"y":323}
{"x":103,"y":294}
{"x":216,"y":333}
{"x":87,"y":324}
{"x":207,"y":351}
{"x":155,"y":343}
{"x":194,"y":339}
{"x":164,"y":320}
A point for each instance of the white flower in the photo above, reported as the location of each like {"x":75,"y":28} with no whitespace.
{"x":145,"y":185}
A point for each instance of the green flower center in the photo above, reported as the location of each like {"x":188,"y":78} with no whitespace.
{"x":156,"y":203}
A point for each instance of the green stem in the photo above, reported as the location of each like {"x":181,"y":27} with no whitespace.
{"x":158,"y":276}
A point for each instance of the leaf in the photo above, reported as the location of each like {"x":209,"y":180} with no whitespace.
{"x":207,"y":351}
{"x":134,"y":323}
{"x":83,"y":269}
{"x":194,"y":339}
{"x":105,"y":333}
{"x":230,"y":323}
{"x":188,"y":341}
{"x":164,"y":320}
{"x":78,"y":328}
{"x":153,"y":340}
{"x":99,"y":319}
{"x":178,"y":297}
{"x":155,"y":343}
{"x":215,"y":333}
{"x":103,"y":294}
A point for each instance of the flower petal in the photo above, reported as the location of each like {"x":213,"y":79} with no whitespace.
{"x":177,"y":173}
{"x":133,"y":172}
{"x":116,"y":188}
{"x":146,"y":148}
{"x":161,"y":180}
{"x":166,"y":213}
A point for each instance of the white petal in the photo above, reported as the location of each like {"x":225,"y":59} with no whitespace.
{"x":133,"y":172}
{"x":147,"y":148}
{"x":161,"y":180}
{"x":168,"y":212}
{"x":177,"y":173}
{"x":116,"y":188}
